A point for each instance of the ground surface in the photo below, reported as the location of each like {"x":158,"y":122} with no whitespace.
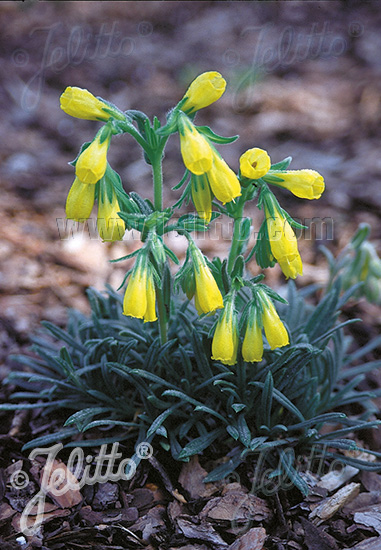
{"x":303,"y":80}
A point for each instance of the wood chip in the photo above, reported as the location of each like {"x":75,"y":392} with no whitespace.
{"x":191,"y":478}
{"x":236,"y":506}
{"x":369,"y":544}
{"x":316,"y":539}
{"x":200,"y":531}
{"x":6,"y":512}
{"x":371,"y":517}
{"x":371,"y":480}
{"x":329,"y":506}
{"x":254,"y":539}
{"x":60,"y":476}
{"x":45,"y":519}
{"x":333,"y":480}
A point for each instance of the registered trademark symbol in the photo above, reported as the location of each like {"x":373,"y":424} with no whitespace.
{"x":356,"y":29}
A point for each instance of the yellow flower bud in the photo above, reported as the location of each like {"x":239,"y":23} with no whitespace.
{"x":80,"y":103}
{"x":283,"y":244}
{"x":92,"y":162}
{"x":275,"y":330}
{"x":208,"y":294}
{"x":196,"y":152}
{"x":254,"y":163}
{"x":225,"y":339}
{"x":202,"y":197}
{"x":306,"y":184}
{"x":252,"y":347}
{"x":204,"y":90}
{"x":110,"y":226}
{"x":80,"y":201}
{"x":139,"y":299}
{"x":223,"y":181}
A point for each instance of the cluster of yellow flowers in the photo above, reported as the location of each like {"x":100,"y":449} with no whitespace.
{"x":210,"y":177}
{"x":91,"y":167}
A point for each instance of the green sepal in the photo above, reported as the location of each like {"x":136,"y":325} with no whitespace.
{"x":172,"y":124}
{"x":125,"y":278}
{"x":138,"y":116}
{"x":182,"y":181}
{"x":237,"y":271}
{"x":166,"y":284}
{"x":282,"y":165}
{"x":133,"y":221}
{"x":269,"y":178}
{"x":272,"y":294}
{"x":215,"y":137}
{"x":112,"y":110}
{"x":191,"y":222}
{"x":262,"y":248}
{"x":144,"y":206}
{"x":171,"y":254}
{"x":125,"y":201}
{"x":134,"y":253}
{"x":84,"y":146}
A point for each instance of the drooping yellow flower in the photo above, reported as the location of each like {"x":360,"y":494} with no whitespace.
{"x":92,"y":162}
{"x":204,"y":90}
{"x":306,"y":184}
{"x":254,"y":163}
{"x":223,"y":181}
{"x":80,"y":201}
{"x":208,"y":294}
{"x":140,"y":295}
{"x":80,"y":103}
{"x":225,"y":339}
{"x":110,"y":226}
{"x":275,"y":330}
{"x":252,"y":347}
{"x":202,"y":197}
{"x":283,"y":243}
{"x":196,"y":152}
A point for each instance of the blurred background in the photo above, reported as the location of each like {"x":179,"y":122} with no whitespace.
{"x":303,"y":80}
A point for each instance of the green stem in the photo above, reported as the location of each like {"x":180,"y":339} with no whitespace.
{"x":236,"y":244}
{"x":157,"y":172}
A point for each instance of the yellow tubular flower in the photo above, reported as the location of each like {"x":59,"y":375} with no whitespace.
{"x":252,"y":347}
{"x":204,"y":90}
{"x":135,"y":298}
{"x":80,"y":201}
{"x":110,"y":226}
{"x":150,"y":313}
{"x":306,"y":184}
{"x":91,"y":164}
{"x":196,"y":152}
{"x":81,"y":103}
{"x":202,"y":197}
{"x":283,"y":244}
{"x":225,"y":339}
{"x":275,"y":330}
{"x":223,"y":181}
{"x":254,"y":163}
{"x":209,"y":297}
{"x":140,"y":297}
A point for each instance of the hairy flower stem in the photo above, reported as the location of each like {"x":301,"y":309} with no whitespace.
{"x":237,"y":244}
{"x":157,"y":172}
